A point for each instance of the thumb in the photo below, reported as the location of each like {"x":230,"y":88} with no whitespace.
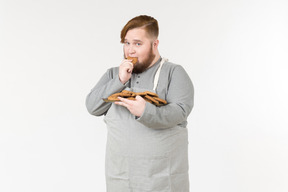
{"x":138,"y":97}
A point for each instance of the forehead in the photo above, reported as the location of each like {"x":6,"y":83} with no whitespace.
{"x":137,"y":34}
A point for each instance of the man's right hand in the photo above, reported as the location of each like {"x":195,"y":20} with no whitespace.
{"x":125,"y":70}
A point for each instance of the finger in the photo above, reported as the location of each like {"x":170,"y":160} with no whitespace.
{"x":126,"y":102}
{"x":127,"y":61}
{"x":118,"y":103}
{"x":128,"y":66}
{"x":138,"y":97}
{"x":121,"y":103}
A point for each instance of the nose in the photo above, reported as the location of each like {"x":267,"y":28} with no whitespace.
{"x":131,"y":49}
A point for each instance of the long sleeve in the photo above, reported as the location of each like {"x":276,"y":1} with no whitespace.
{"x":180,"y":98}
{"x":107,"y":85}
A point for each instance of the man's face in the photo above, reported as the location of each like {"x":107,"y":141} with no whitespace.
{"x":138,"y":44}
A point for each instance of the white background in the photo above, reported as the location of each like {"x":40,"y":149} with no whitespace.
{"x":53,"y":52}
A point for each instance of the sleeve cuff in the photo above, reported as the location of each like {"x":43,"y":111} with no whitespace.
{"x":146,"y":113}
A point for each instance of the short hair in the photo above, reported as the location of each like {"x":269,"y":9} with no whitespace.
{"x":143,"y":21}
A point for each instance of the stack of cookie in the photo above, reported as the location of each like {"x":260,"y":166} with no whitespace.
{"x":147,"y":95}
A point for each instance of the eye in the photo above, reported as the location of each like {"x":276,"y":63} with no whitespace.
{"x":138,"y":44}
{"x":126,"y":43}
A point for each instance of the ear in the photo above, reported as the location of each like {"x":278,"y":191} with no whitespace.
{"x":155,"y":43}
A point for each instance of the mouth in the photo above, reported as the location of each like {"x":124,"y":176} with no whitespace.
{"x":134,"y":59}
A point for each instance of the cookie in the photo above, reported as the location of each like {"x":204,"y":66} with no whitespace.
{"x":151,"y":99}
{"x":134,"y":59}
{"x":151,"y":93}
{"x":129,"y":92}
{"x":160,"y":100}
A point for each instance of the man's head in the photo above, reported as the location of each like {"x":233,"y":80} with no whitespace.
{"x":149,"y":24}
{"x":140,"y":39}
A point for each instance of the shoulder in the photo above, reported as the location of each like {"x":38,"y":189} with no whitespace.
{"x":171,"y":68}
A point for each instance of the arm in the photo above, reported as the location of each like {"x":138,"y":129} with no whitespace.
{"x":180,"y":98}
{"x":107,"y":85}
{"x":114,"y":80}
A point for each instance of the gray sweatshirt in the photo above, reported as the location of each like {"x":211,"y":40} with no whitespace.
{"x":174,"y":86}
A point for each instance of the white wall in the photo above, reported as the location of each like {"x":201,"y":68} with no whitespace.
{"x":53,"y":52}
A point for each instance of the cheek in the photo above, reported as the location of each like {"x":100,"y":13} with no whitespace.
{"x":125,"y":51}
{"x":143,"y":53}
{"x":141,"y":57}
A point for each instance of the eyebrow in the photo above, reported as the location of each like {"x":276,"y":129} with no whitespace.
{"x":134,"y":40}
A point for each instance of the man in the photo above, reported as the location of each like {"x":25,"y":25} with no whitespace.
{"x":147,"y":145}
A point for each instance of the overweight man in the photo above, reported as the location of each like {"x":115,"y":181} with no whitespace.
{"x":147,"y":145}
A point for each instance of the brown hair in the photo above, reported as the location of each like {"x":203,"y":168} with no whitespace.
{"x":147,"y":22}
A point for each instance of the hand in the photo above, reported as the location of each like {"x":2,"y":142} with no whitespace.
{"x":136,"y":107}
{"x":125,"y":70}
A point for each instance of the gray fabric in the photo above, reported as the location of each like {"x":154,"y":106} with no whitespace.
{"x":148,"y":154}
{"x":140,"y":159}
{"x":174,"y":86}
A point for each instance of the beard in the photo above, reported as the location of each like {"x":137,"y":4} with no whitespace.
{"x":140,"y":67}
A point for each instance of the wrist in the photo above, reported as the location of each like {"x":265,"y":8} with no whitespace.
{"x":123,"y":82}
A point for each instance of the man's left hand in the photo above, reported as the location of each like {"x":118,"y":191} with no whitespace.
{"x":136,"y":107}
